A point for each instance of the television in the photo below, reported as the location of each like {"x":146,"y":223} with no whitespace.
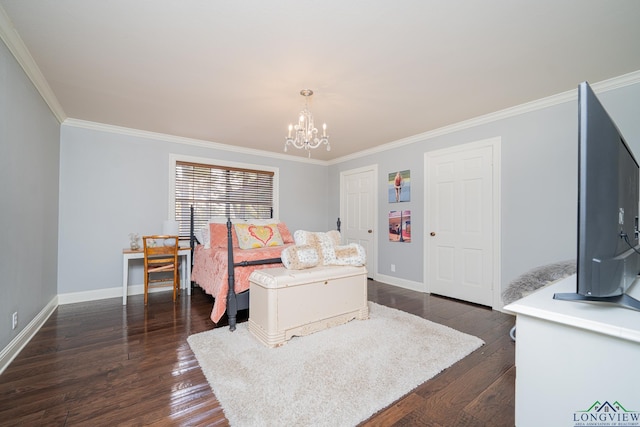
{"x":608,"y":257}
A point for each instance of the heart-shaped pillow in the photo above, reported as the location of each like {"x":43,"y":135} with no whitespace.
{"x":251,"y":236}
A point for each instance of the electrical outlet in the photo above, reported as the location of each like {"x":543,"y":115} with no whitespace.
{"x":14,"y":320}
{"x":393,"y":268}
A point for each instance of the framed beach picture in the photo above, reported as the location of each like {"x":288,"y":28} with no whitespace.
{"x":400,"y":186}
{"x":400,"y":226}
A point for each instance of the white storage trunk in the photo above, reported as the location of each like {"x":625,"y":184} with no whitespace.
{"x":284,"y":303}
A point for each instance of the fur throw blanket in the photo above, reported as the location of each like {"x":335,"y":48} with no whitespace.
{"x":537,"y":278}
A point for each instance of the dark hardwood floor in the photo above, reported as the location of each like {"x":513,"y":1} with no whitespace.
{"x":101,"y":363}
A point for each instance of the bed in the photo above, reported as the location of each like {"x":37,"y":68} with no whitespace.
{"x":221,"y":266}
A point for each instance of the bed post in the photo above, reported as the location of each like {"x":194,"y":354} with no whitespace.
{"x":232,"y":305}
{"x":192,"y":236}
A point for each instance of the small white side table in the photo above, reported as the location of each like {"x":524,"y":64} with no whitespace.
{"x":185,"y":269}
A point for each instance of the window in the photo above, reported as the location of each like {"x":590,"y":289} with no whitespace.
{"x":221,"y":191}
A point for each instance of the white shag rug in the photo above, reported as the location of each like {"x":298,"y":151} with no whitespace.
{"x":336,"y":377}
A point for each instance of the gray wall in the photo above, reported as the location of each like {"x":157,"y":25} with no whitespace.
{"x":29,"y":165}
{"x":113,"y":184}
{"x":539,"y":184}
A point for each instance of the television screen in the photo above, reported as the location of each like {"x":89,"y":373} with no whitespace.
{"x":608,"y":259}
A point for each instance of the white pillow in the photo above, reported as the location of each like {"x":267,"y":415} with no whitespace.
{"x":299,"y":257}
{"x":199,"y":235}
{"x":323,"y":241}
{"x":350,"y":254}
{"x":206,"y":237}
{"x":330,"y":251}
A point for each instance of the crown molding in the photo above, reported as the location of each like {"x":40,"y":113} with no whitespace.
{"x":71,"y":122}
{"x":16,"y":46}
{"x":616,"y":82}
{"x":550,"y":101}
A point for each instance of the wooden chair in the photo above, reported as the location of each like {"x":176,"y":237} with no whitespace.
{"x":161,"y":258}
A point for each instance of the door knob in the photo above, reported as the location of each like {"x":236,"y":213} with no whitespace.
{"x":433,"y":233}
{"x":369,"y":231}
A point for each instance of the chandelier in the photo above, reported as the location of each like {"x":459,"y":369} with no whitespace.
{"x":304,"y":134}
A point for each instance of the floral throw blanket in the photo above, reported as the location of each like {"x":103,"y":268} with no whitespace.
{"x":211,"y":273}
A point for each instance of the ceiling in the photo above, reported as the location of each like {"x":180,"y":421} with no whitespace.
{"x":231,"y":72}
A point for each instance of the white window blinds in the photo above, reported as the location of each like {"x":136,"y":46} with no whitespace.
{"x":220,"y":191}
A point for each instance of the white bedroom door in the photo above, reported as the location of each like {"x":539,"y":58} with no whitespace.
{"x":358,"y":211}
{"x":460,"y":221}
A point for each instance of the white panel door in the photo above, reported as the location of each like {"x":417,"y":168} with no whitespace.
{"x":460,"y":220}
{"x":358,"y":211}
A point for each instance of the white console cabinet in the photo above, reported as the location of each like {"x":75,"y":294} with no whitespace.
{"x":577,"y":363}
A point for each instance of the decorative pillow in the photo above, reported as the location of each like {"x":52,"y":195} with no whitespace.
{"x":323,"y":242}
{"x":317,"y":248}
{"x":351,"y":254}
{"x":257,"y":221}
{"x":335,"y":236}
{"x":251,"y":236}
{"x":218,"y":235}
{"x":299,"y":257}
{"x":204,"y":235}
{"x":302,"y":237}
{"x":285,"y":233}
{"x":282,"y":227}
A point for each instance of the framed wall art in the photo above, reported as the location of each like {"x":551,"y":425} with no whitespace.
{"x":400,"y":186}
{"x":400,"y":226}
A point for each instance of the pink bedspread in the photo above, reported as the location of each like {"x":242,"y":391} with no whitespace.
{"x":211,"y":274}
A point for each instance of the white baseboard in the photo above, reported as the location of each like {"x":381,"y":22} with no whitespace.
{"x":22,"y":339}
{"x":419,"y":287}
{"x":98,"y":294}
{"x":402,"y":283}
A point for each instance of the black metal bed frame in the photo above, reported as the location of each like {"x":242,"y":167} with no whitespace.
{"x":235,"y":301}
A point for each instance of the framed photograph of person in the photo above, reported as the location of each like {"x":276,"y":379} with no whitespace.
{"x":400,"y":226}
{"x":400,"y":186}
